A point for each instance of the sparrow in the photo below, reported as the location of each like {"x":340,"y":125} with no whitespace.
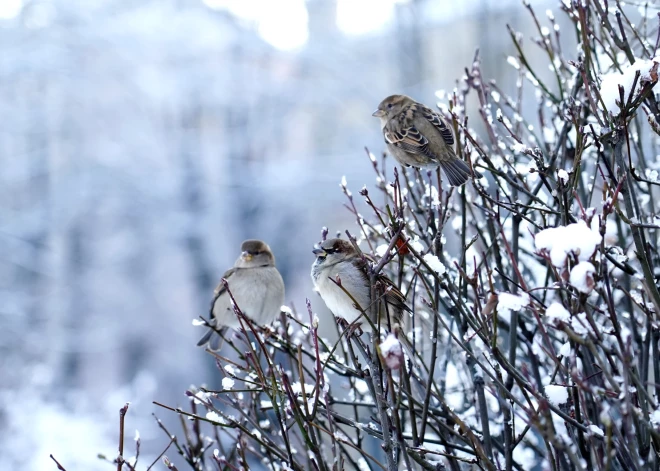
{"x":417,"y":136}
{"x":338,"y":263}
{"x":256,"y":286}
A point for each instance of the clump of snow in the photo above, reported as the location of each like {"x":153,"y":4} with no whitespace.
{"x":513,"y":62}
{"x":297,"y":388}
{"x":391,"y":352}
{"x":562,"y":175}
{"x":561,"y":241}
{"x":214,"y":417}
{"x":596,"y":431}
{"x":416,"y":245}
{"x":512,"y":302}
{"x":507,"y":302}
{"x":518,"y":147}
{"x":381,"y":250}
{"x":609,"y":88}
{"x":556,"y":394}
{"x":655,"y":417}
{"x":200,"y":397}
{"x":557,"y":312}
{"x":651,"y":175}
{"x":582,"y":277}
{"x":361,"y":386}
{"x":580,"y":324}
{"x":227,"y":383}
{"x":565,"y":349}
{"x":435,"y":264}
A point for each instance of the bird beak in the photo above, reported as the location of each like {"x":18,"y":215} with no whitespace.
{"x":318,"y":252}
{"x":246,"y":256}
{"x":378,"y":113}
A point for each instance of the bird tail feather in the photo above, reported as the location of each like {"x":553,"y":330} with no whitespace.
{"x":213,"y":339}
{"x":457,"y":171}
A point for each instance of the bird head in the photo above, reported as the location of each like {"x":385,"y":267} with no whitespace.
{"x":255,"y":253}
{"x":333,"y":251}
{"x":391,"y":106}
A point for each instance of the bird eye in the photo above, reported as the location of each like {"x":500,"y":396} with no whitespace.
{"x":389,"y":106}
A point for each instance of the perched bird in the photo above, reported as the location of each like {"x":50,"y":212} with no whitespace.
{"x":256,"y":286}
{"x":417,"y":136}
{"x":337,"y":260}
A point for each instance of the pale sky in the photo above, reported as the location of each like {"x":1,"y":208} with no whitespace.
{"x":284,"y":23}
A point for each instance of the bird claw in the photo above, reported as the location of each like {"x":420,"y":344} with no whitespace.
{"x":353,"y":328}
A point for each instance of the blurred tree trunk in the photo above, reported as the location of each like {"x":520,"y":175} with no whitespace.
{"x":77,"y":307}
{"x":138,"y":268}
{"x":191,"y":193}
{"x":37,"y":150}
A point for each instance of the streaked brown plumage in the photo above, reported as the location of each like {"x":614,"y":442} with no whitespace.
{"x":417,"y":136}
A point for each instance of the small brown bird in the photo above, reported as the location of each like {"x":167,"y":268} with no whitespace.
{"x":256,"y":286}
{"x":337,"y":260}
{"x":417,"y":136}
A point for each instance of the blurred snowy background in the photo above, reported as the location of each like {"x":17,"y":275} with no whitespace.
{"x":141,"y":142}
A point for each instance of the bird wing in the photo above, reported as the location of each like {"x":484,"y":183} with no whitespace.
{"x":220,"y":289}
{"x":409,"y":140}
{"x":393,"y":296}
{"x":401,"y":132}
{"x":436,"y":120}
{"x":215,"y":341}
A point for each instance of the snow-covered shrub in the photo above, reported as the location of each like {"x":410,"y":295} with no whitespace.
{"x":534,"y":289}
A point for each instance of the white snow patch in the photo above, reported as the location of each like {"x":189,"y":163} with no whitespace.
{"x":582,"y":277}
{"x":560,"y":241}
{"x":381,"y":250}
{"x":227,"y":383}
{"x":558,"y":312}
{"x":580,"y":324}
{"x":655,"y":417}
{"x":361,"y":386}
{"x":596,"y":430}
{"x":213,"y":416}
{"x":562,"y":175}
{"x":507,"y":302}
{"x":651,"y":175}
{"x":609,"y":88}
{"x":390,"y":345}
{"x":512,"y":302}
{"x":556,"y":394}
{"x":435,"y":264}
{"x":417,"y":245}
{"x":391,"y":352}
